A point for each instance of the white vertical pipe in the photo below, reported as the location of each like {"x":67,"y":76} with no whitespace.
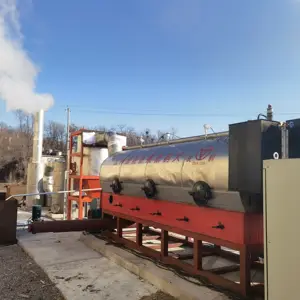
{"x":38,"y":137}
{"x":38,"y":133}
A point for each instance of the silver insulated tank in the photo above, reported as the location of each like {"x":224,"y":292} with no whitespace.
{"x":186,"y":171}
{"x":222,"y":170}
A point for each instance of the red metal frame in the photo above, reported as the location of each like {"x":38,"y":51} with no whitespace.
{"x":197,"y":226}
{"x":241,"y":232}
{"x":239,"y":228}
{"x":85,"y":182}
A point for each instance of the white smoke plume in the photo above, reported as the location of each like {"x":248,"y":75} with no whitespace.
{"x":17,"y":72}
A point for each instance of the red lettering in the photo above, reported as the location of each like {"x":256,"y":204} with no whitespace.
{"x":134,"y":160}
{"x":168,"y":158}
{"x":150,"y":158}
{"x":203,"y":153}
{"x":128,"y":160}
{"x":212,"y":157}
{"x":141,"y":159}
{"x":189,"y":159}
{"x":177,"y":158}
{"x":158,"y":158}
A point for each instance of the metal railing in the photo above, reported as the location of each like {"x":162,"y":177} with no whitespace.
{"x":53,"y":193}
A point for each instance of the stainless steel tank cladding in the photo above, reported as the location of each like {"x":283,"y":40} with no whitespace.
{"x":171,"y":166}
{"x":184,"y":140}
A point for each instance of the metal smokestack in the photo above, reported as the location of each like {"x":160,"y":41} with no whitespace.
{"x":34,"y":184}
{"x":270,"y":113}
{"x":38,"y":132}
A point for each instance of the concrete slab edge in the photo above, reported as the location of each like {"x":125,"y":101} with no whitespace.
{"x":163,"y":279}
{"x":22,"y":245}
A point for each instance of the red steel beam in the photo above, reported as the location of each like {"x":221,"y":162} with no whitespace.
{"x":72,"y":225}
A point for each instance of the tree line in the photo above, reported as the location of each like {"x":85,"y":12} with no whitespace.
{"x":16,"y":142}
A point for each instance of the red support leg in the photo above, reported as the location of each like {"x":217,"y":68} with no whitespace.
{"x":69,"y":209}
{"x":245,"y":269}
{"x":164,"y":243}
{"x":80,"y":209}
{"x":139,"y":234}
{"x":198,"y":255}
{"x":119,"y":227}
{"x":200,"y":250}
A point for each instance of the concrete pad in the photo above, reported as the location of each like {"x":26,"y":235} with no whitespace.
{"x":63,"y":250}
{"x":53,"y":216}
{"x":79,"y":272}
{"x":163,"y":279}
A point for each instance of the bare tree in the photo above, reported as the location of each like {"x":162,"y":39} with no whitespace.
{"x":25,"y":122}
{"x":54,"y":136}
{"x":99,"y":128}
{"x":166,"y":135}
{"x":173,"y":133}
{"x":74,"y":127}
{"x":15,"y":149}
{"x":121,"y":128}
{"x":3,"y":126}
{"x":21,"y":143}
{"x":16,"y":142}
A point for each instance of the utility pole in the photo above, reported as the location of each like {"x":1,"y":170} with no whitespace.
{"x":68,"y":111}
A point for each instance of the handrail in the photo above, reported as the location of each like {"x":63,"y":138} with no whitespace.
{"x":52,"y":193}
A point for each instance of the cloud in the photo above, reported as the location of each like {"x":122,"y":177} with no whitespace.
{"x":18,"y":73}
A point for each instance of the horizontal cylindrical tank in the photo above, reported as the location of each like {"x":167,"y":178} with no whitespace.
{"x":168,"y":169}
{"x":173,"y":165}
{"x":222,"y":170}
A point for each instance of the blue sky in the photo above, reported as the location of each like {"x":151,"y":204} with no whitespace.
{"x":203,"y":61}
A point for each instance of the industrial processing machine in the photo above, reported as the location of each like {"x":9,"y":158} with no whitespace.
{"x":208,"y":189}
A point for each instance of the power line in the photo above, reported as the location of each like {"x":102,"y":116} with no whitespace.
{"x":171,"y":114}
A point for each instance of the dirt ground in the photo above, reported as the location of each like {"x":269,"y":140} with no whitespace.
{"x":158,"y":296}
{"x":21,"y":278}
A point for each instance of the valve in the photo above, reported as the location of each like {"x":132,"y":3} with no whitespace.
{"x":219,"y":226}
{"x":184,"y":219}
{"x":158,"y":213}
{"x":135,"y":208}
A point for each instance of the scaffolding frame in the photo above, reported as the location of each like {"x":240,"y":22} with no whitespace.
{"x":85,"y":182}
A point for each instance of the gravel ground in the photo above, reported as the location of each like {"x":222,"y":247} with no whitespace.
{"x":21,"y":278}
